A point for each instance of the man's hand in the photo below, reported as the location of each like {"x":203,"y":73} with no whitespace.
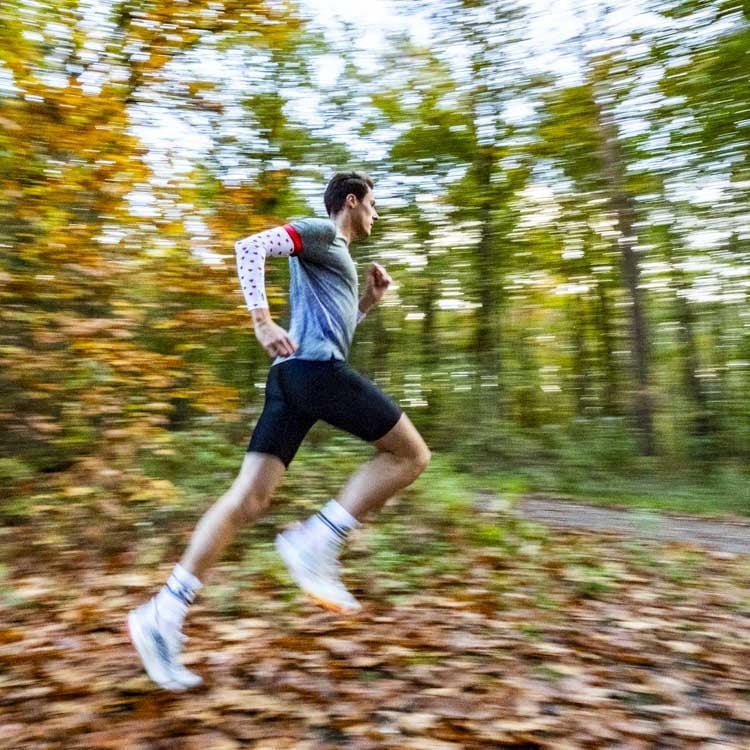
{"x":378,"y":282}
{"x":273,"y":338}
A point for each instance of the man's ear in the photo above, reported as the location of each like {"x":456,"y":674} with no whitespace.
{"x":351,"y":200}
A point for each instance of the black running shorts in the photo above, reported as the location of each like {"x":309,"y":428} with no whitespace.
{"x":300,"y":392}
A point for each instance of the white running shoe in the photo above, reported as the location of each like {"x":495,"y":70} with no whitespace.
{"x":315,"y":570}
{"x":160,"y":650}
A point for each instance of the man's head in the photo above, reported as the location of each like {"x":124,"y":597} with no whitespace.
{"x":351,"y":192}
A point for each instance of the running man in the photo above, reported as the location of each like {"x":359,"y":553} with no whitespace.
{"x":308,"y":380}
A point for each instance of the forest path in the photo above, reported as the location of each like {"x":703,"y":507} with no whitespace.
{"x":725,"y":534}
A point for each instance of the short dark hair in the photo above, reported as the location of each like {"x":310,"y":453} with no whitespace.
{"x":343,"y":183}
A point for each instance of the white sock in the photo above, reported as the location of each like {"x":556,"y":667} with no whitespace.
{"x":330,"y":525}
{"x":175,"y":597}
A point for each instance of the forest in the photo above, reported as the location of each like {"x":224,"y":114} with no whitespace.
{"x":563,"y":199}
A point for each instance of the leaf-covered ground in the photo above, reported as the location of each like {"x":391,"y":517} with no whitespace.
{"x":473,"y":636}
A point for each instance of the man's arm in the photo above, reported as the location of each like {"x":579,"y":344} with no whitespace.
{"x":272,"y":337}
{"x":251,"y":255}
{"x":378,"y":282}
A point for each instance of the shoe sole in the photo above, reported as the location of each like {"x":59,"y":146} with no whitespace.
{"x":146,"y":654}
{"x":286,"y":552}
{"x":330,"y":606}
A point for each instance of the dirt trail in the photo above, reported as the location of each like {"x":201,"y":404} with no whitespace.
{"x":726,"y":534}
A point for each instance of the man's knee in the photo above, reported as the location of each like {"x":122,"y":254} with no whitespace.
{"x":253,"y":488}
{"x":248,"y":499}
{"x":417,"y":458}
{"x":422,"y":458}
{"x":250,"y":504}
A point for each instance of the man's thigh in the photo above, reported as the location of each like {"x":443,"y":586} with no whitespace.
{"x":403,"y":439}
{"x":355,"y":404}
{"x":282,"y":426}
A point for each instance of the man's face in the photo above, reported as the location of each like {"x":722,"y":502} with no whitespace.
{"x":363,"y":214}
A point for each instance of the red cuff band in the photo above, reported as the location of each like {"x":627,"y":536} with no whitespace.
{"x":296,"y":239}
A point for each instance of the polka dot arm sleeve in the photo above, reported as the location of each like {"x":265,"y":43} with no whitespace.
{"x":251,"y":254}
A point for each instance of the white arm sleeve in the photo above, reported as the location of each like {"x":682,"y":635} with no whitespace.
{"x":251,"y":255}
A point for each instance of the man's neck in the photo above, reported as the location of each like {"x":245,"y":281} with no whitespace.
{"x":344,"y":227}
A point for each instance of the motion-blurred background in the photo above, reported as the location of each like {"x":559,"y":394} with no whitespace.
{"x":563,"y":191}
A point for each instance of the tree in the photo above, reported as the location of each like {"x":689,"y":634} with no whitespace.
{"x":100,"y":259}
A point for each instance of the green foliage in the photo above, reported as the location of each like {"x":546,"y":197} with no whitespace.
{"x":128,"y":368}
{"x":15,"y":479}
{"x":14,"y":472}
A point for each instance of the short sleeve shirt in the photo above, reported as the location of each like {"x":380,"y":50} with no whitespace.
{"x":323,"y":292}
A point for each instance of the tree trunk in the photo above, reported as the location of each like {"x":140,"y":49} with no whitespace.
{"x":605,"y":336}
{"x":487,"y":337}
{"x":581,"y":359}
{"x":429,"y":344}
{"x":622,"y":205}
{"x":702,"y":421}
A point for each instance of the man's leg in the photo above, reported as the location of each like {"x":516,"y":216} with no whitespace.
{"x":402,"y":456}
{"x":155,"y":627}
{"x":310,"y":550}
{"x":245,"y":502}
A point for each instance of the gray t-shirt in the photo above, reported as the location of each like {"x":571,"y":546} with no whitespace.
{"x":323,"y":293}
